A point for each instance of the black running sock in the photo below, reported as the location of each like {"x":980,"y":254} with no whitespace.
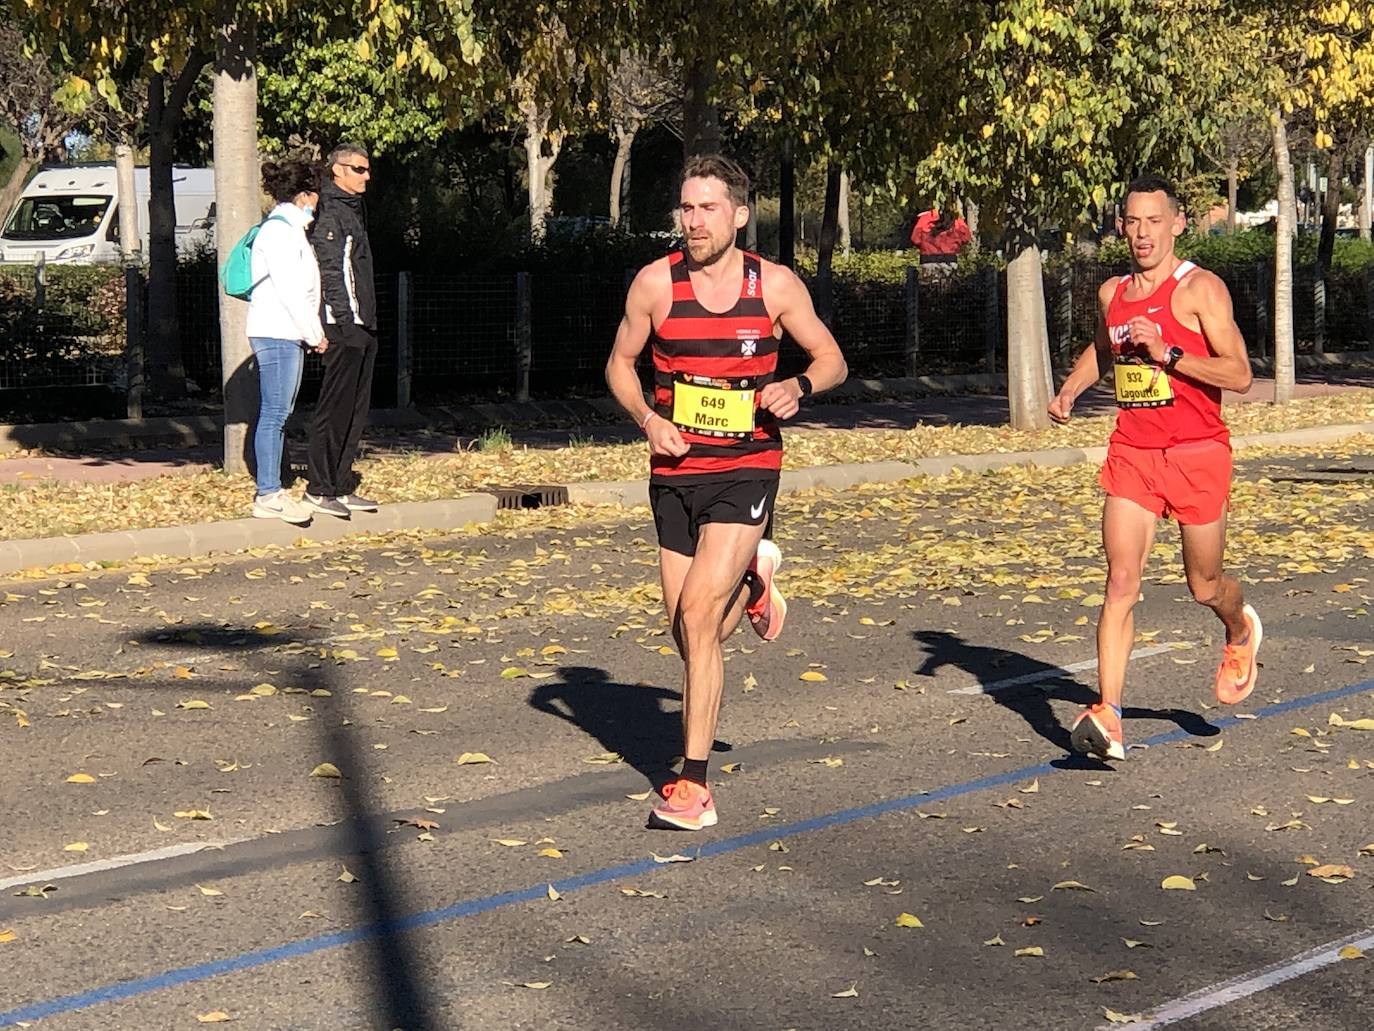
{"x":694,"y":770}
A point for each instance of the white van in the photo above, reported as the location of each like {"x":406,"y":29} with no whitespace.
{"x":71,"y":214}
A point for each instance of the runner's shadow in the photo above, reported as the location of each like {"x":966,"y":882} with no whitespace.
{"x":1028,"y":686}
{"x":627,"y":719}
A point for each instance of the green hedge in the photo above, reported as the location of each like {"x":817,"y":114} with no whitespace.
{"x":83,"y":307}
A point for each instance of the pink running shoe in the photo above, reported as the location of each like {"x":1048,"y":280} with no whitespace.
{"x":767,"y":608}
{"x":686,"y":806}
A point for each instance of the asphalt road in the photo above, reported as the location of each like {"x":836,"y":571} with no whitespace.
{"x":925,"y":775}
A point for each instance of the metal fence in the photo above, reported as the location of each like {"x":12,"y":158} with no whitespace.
{"x":448,"y":337}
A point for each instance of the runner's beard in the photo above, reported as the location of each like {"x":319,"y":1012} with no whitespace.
{"x":712,"y":252}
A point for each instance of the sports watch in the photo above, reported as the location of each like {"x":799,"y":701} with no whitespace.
{"x":805,"y":383}
{"x":1173,"y":355}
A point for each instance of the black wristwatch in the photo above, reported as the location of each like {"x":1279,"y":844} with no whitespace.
{"x":805,"y":383}
{"x":1174,"y":354}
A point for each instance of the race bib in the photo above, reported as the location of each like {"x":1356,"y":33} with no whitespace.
{"x":1142,"y":386}
{"x":713,"y":407}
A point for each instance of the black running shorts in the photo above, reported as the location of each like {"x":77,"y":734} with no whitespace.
{"x":680,"y":510}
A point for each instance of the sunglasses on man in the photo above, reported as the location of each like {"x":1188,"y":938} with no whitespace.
{"x":360,"y":169}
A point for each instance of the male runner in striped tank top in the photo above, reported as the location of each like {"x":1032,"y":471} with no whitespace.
{"x":716,"y":316}
{"x":1168,"y":337}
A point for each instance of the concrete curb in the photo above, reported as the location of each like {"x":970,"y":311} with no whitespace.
{"x":240,"y":534}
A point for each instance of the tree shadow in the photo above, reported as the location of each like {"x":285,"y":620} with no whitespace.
{"x":1028,"y":686}
{"x":400,"y":999}
{"x":625,"y":718}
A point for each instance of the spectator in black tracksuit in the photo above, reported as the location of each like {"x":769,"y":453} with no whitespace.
{"x":349,"y":315}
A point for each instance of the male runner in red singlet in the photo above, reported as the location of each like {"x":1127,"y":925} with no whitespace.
{"x":716,"y":315}
{"x":1168,"y":336}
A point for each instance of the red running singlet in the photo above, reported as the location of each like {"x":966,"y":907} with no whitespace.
{"x":708,"y":371}
{"x":1158,"y":409}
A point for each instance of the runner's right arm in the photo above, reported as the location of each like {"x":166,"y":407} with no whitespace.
{"x":1092,"y":364}
{"x":630,"y":338}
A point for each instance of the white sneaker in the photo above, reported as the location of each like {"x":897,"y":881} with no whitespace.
{"x":280,"y":505}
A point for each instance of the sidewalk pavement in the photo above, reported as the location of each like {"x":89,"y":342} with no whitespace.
{"x":447,"y":515}
{"x":95,"y":464}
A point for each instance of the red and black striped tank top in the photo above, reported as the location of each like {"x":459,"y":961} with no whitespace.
{"x":708,"y":371}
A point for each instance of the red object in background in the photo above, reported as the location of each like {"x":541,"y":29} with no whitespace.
{"x":935,"y":242}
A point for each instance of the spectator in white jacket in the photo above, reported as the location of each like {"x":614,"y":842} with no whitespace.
{"x":283,"y":319}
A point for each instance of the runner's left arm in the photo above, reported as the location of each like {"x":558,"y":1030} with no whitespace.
{"x":1229,"y":364}
{"x":797,"y":315}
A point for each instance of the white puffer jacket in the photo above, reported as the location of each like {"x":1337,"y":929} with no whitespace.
{"x":286,"y":301}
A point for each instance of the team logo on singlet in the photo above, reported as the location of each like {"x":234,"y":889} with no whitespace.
{"x":748,"y":347}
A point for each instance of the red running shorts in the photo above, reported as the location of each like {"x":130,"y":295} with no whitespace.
{"x":1188,"y":482}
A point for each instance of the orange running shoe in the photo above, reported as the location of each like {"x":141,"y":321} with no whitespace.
{"x":767,"y":608}
{"x":1239,"y":665}
{"x":1097,"y":731}
{"x":686,"y":806}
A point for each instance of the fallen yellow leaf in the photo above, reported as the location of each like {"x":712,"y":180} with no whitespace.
{"x":908,"y":920}
{"x":1177,"y":882}
{"x":1114,"y":975}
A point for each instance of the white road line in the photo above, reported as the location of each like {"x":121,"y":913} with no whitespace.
{"x":1059,"y":671}
{"x":82,"y":869}
{"x":1226,"y":992}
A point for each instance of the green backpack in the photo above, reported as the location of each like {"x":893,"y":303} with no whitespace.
{"x":237,"y":274}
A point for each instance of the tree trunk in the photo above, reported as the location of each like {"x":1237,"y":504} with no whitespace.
{"x":1029,"y":386}
{"x":9,"y":197}
{"x":700,"y":117}
{"x":538,"y":167}
{"x":237,"y":208}
{"x":787,"y":207}
{"x":534,"y":176}
{"x":825,"y":249}
{"x":625,"y":187}
{"x":625,"y":141}
{"x":844,"y":214}
{"x":1232,"y":191}
{"x":1284,"y":379}
{"x":130,"y":246}
{"x":1326,"y":245}
{"x":1331,"y":210}
{"x":1367,"y":208}
{"x":166,"y":364}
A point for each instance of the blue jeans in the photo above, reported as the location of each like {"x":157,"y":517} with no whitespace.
{"x":280,"y":364}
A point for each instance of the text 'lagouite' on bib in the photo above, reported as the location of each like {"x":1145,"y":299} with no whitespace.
{"x":1142,"y":386}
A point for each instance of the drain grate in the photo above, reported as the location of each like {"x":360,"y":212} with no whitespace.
{"x":529,"y":496}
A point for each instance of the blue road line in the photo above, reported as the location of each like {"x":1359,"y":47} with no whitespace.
{"x":605,"y":875}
